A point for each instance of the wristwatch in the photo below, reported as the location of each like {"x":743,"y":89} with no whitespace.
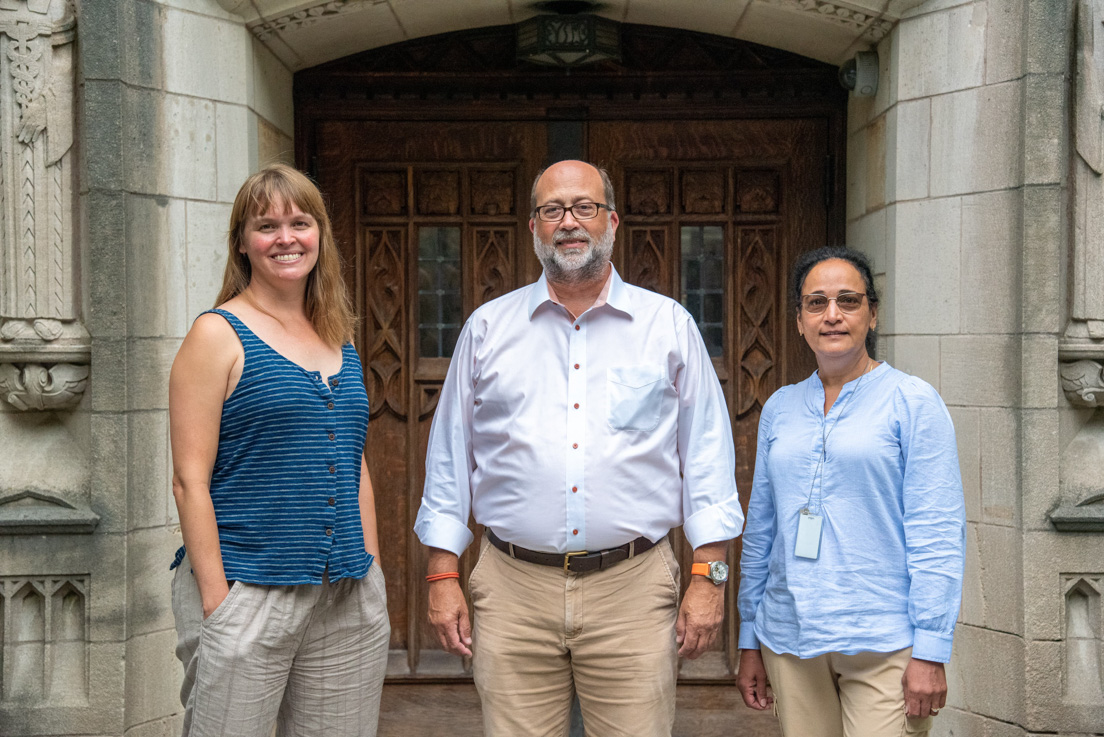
{"x":716,"y":571}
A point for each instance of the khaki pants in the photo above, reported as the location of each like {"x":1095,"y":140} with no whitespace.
{"x":837,"y":695}
{"x":541,"y":635}
{"x":309,"y":659}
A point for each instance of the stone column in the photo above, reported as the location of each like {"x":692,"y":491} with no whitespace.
{"x":44,"y":348}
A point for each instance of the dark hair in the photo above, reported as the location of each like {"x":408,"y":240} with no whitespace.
{"x":807,"y":260}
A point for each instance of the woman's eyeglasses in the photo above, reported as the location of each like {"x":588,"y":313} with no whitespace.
{"x":579,"y":211}
{"x":815,"y":304}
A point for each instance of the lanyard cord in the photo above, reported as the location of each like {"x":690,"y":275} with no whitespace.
{"x":825,"y":433}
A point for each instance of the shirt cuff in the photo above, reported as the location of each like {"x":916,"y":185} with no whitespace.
{"x":748,"y":639}
{"x":930,"y":645}
{"x":714,"y":524}
{"x":445,"y":533}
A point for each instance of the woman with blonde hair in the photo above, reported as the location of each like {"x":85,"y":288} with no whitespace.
{"x":281,"y":613}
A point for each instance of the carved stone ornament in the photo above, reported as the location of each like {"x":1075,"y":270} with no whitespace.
{"x":38,"y":513}
{"x":1083,"y":383}
{"x":44,"y":350}
{"x":263,"y":29}
{"x":36,"y":387}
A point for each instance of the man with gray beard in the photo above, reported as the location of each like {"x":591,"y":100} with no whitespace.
{"x":579,"y":422}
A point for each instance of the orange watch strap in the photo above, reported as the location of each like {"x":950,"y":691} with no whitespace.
{"x":699,"y":569}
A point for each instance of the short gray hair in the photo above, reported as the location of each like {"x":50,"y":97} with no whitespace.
{"x":607,"y":187}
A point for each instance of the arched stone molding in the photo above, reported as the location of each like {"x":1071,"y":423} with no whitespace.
{"x":44,"y":349}
{"x":305,"y":34}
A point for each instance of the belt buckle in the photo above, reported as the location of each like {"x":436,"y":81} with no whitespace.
{"x":569,"y":556}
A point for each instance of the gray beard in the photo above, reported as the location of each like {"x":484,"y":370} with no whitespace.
{"x":575,"y":269}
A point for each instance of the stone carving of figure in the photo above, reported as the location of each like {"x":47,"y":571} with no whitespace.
{"x":36,"y":171}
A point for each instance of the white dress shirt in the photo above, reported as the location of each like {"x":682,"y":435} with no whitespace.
{"x":567,"y":435}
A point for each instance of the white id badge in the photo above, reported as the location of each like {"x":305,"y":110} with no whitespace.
{"x":808,"y":535}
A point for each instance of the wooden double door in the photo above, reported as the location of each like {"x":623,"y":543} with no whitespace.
{"x":432,"y":218}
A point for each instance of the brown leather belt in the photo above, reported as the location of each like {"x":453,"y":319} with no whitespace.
{"x":580,"y":562}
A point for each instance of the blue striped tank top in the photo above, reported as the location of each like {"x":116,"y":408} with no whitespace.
{"x":286,"y":480}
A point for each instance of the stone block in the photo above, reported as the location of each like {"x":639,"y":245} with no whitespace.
{"x":156,"y":290}
{"x":991,"y":249}
{"x":144,"y":141}
{"x":973,"y":594}
{"x":980,"y":370}
{"x":142,"y":56}
{"x":856,"y":174}
{"x":942,"y":51}
{"x":208,"y":249}
{"x":332,"y":36}
{"x":1000,"y":466}
{"x":105,"y":236}
{"x":983,"y":659}
{"x":100,"y":55}
{"x":109,"y":471}
{"x":101,"y":142}
{"x":1044,"y":244}
{"x":1004,"y":40}
{"x":189,"y":138}
{"x":908,"y":150}
{"x":167,"y":727}
{"x":1047,"y":37}
{"x":44,"y":455}
{"x":967,"y":424}
{"x":1000,"y":553}
{"x":212,"y":8}
{"x":153,"y":677}
{"x":888,"y":71}
{"x":205,"y":57}
{"x":783,"y":28}
{"x":1041,"y":461}
{"x":957,"y":723}
{"x":917,"y":355}
{"x":875,"y":188}
{"x":149,"y":595}
{"x":1041,"y":386}
{"x":108,"y":375}
{"x":1047,"y":708}
{"x":977,"y":139}
{"x":1045,"y":128}
{"x":860,"y":111}
{"x":270,"y":89}
{"x":868,"y":234}
{"x":273,"y":145}
{"x":149,"y":361}
{"x":924,"y":7}
{"x":236,"y":146}
{"x":149,"y":480}
{"x":923,"y":266}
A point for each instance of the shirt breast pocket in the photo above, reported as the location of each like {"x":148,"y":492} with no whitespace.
{"x":635,"y":395}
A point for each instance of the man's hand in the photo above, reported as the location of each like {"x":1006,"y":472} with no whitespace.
{"x":752,"y":681}
{"x":925,"y":685}
{"x":448,"y":613}
{"x":700,"y":617}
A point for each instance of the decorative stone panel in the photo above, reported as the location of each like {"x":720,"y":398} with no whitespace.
{"x":44,"y":350}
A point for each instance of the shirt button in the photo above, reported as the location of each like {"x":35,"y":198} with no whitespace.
{"x":331,"y":501}
{"x":333,"y":470}
{"x":575,"y":445}
{"x":333,"y":382}
{"x":329,"y":532}
{"x":329,"y":405}
{"x":576,"y":365}
{"x":574,"y":532}
{"x":574,"y":489}
{"x":332,"y":436}
{"x":576,"y":327}
{"x":576,"y":405}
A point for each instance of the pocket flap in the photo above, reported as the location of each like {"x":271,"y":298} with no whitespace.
{"x":634,"y":377}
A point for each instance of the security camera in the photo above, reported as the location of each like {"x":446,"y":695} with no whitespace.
{"x":860,"y":75}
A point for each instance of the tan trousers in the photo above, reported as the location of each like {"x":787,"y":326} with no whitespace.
{"x":309,"y":659}
{"x":541,"y":635}
{"x":837,"y":695}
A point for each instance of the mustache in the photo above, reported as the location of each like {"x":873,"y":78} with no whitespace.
{"x":575,"y":234}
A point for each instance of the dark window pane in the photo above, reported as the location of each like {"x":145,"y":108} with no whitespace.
{"x":440,"y":309}
{"x":703,"y":281}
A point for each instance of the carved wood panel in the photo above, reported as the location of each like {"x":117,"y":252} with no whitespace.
{"x":493,"y":192}
{"x":648,"y":192}
{"x":703,"y":192}
{"x":438,"y":192}
{"x":648,"y":260}
{"x":494,"y":262}
{"x":757,"y":294}
{"x":386,"y":255}
{"x":757,"y":191}
{"x":382,"y":192}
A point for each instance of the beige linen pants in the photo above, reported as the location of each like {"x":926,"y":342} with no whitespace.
{"x":541,"y":635}
{"x":309,"y":659}
{"x":837,"y":695}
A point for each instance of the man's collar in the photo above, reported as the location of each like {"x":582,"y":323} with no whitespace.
{"x":618,"y":297}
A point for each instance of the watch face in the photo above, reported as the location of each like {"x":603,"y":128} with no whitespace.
{"x":718,"y":571}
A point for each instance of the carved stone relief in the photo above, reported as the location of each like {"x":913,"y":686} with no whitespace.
{"x":1082,"y":644}
{"x":46,"y":651}
{"x":39,"y":331}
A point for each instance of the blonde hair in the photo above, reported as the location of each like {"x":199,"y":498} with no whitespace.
{"x":327,"y":301}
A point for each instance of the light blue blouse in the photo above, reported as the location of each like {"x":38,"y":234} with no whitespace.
{"x":889,"y":571}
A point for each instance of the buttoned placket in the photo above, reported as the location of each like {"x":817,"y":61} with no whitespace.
{"x":576,"y":409}
{"x":326,"y":390}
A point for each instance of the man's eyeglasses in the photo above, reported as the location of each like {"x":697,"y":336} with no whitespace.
{"x":815,"y":304}
{"x":579,"y":211}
